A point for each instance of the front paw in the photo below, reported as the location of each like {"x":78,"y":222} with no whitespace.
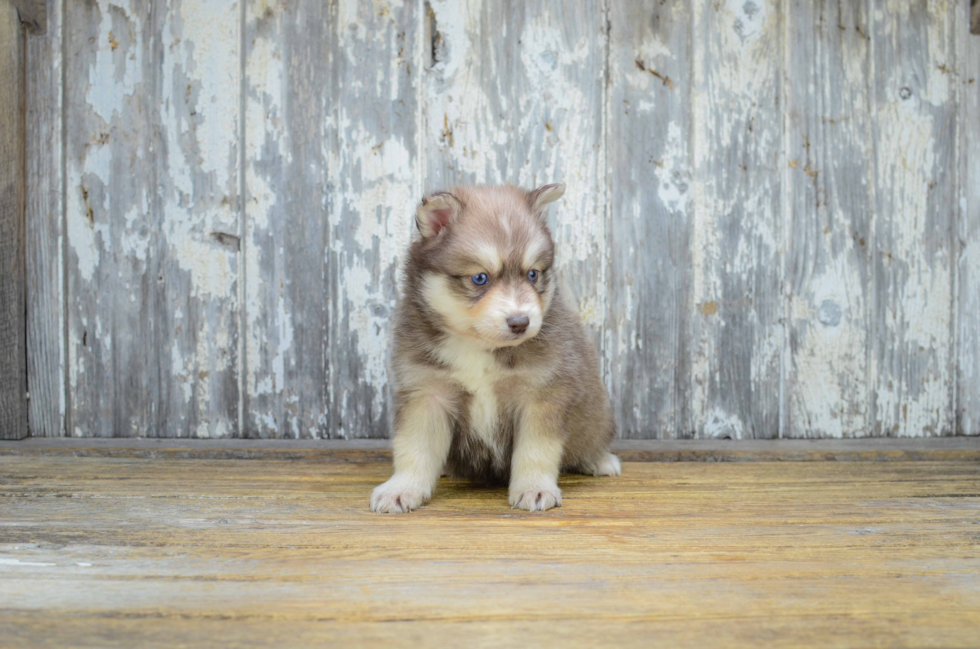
{"x":535,"y":497}
{"x":398,"y":496}
{"x":608,"y":465}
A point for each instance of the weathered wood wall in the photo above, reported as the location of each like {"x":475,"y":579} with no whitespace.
{"x":13,"y":355}
{"x":772,"y":226}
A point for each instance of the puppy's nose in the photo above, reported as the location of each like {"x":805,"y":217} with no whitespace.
{"x":518,"y":323}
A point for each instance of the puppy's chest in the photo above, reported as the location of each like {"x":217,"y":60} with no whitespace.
{"x":479,"y":375}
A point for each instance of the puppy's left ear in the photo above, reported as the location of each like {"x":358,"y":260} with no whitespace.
{"x":545,"y":194}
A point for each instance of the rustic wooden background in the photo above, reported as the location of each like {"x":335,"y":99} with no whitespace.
{"x":772,"y":224}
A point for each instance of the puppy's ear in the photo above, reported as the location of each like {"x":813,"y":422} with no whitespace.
{"x":540,"y":197}
{"x":436,"y":212}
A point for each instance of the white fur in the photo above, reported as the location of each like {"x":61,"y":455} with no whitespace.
{"x":484,"y":417}
{"x":502,"y":305}
{"x":537,"y":460}
{"x":609,"y":465}
{"x":491,"y":330}
{"x":473,"y":368}
{"x":435,"y":289}
{"x":534,"y":250}
{"x":489,"y":258}
{"x":420,"y":449}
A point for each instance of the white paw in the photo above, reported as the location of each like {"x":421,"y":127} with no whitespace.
{"x":399,"y":495}
{"x":608,"y":465}
{"x":535,"y":497}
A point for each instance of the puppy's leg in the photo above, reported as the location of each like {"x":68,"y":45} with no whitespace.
{"x":537,"y":459}
{"x":423,"y":433}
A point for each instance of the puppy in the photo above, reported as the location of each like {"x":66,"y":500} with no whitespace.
{"x":494,"y":378}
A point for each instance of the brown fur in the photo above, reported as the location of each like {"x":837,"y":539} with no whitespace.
{"x":558,"y":365}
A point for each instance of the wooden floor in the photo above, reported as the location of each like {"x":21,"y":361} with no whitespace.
{"x":108,"y":551}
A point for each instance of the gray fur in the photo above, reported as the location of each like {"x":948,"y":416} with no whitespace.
{"x":560,"y":352}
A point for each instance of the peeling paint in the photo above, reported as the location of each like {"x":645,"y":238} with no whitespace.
{"x":750,"y":261}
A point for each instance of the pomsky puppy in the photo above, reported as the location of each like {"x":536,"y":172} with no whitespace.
{"x":495,"y":379}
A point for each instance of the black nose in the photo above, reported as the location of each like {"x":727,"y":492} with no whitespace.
{"x":518,"y":323}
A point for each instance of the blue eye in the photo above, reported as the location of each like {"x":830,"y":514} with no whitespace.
{"x":479,"y":279}
{"x":532,"y":275}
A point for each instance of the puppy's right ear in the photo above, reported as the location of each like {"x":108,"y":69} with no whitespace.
{"x":436,"y":212}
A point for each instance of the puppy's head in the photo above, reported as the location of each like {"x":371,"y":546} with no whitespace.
{"x":485,"y":261}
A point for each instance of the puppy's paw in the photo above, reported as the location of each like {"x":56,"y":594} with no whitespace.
{"x":398,"y":496}
{"x":535,"y":497}
{"x":609,"y":465}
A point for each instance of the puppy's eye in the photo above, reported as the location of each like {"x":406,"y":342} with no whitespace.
{"x":479,"y":279}
{"x":532,"y":276}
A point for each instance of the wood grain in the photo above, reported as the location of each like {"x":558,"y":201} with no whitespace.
{"x":196,"y":207}
{"x":921,"y":449}
{"x":374,"y":161}
{"x":287,"y":229}
{"x":100,"y":551}
{"x":13,"y":329}
{"x":151,"y":190}
{"x":650,"y":284}
{"x":737,"y":238}
{"x":331,"y":159}
{"x":968,"y":262}
{"x":912,"y":363}
{"x":44,"y":221}
{"x":830,"y":179}
{"x":769,"y":229}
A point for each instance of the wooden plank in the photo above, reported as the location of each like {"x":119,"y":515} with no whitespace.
{"x":975,"y":17}
{"x":287,"y":231}
{"x":34,"y":14}
{"x":44,"y":218}
{"x":829,"y":185}
{"x":527,"y":115}
{"x":197,"y":199}
{"x":331,"y":192}
{"x":13,"y":329}
{"x":916,"y":187}
{"x":374,"y":95}
{"x":650,"y":175}
{"x":119,"y":551}
{"x":109,"y":102}
{"x":694,"y":343}
{"x":737,"y":233}
{"x":151,"y":192}
{"x":968,"y":263}
{"x":868,"y":449}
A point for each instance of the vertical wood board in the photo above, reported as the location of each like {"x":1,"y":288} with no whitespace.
{"x":45,"y":233}
{"x":967,"y":375}
{"x":288,"y":68}
{"x":151,"y":188}
{"x":737,"y":234}
{"x":648,"y":144}
{"x":915,"y":208}
{"x":830,"y":177}
{"x":13,"y":329}
{"x":770,"y":224}
{"x":331,"y":149}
